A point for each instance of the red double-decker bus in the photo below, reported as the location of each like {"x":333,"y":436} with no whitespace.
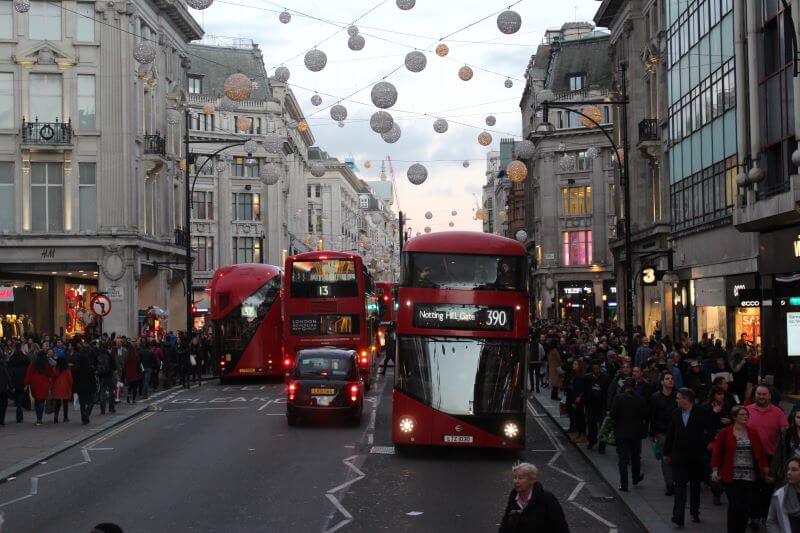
{"x":329,"y":300}
{"x":462,"y":340}
{"x":387,"y":307}
{"x":246,"y":316}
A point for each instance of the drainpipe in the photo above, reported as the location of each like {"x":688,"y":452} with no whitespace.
{"x":756,"y":174}
{"x":741,"y":79}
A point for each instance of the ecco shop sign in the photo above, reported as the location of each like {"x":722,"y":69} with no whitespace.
{"x":749,"y":298}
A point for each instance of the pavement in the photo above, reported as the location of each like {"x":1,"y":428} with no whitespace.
{"x":647,"y":499}
{"x":222,"y":458}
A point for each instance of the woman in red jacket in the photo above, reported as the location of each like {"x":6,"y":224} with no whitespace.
{"x":62,"y":388}
{"x":133,"y":371}
{"x":38,"y":379}
{"x":739,"y":461}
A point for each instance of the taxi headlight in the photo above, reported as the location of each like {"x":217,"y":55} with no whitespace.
{"x":406,"y":424}
{"x":511,"y":430}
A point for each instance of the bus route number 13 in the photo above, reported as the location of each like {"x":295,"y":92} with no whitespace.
{"x":324,"y":290}
{"x":496,"y":318}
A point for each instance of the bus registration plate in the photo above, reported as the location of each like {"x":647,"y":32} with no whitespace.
{"x":458,"y":438}
{"x":323,"y":391}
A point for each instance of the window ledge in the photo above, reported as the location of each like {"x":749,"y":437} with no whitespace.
{"x":9,"y":41}
{"x":87,"y":43}
{"x":8,"y":131}
{"x":87,"y":133}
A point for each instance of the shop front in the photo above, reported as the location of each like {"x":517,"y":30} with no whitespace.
{"x":576,"y":300}
{"x":710,"y":307}
{"x":744,"y":309}
{"x":610,"y":300}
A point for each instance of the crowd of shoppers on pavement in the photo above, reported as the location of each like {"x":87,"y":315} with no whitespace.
{"x":47,"y":373}
{"x":705,"y":412}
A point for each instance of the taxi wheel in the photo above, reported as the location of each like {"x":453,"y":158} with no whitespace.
{"x":355,"y":420}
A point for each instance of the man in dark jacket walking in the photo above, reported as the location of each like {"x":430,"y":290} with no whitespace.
{"x":595,"y":387}
{"x":629,"y":413}
{"x":17,"y":368}
{"x":530,"y":507}
{"x":662,"y":405}
{"x":107,"y":377}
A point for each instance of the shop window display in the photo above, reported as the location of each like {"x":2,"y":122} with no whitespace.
{"x":77,"y":299}
{"x":748,"y":325}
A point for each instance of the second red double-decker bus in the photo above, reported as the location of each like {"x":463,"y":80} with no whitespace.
{"x":329,"y":300}
{"x":246,"y":315}
{"x":462,"y":334}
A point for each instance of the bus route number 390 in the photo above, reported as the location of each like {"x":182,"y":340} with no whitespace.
{"x":496,"y":317}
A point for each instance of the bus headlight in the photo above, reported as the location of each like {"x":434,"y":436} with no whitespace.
{"x":511,"y":430}
{"x":406,"y":424}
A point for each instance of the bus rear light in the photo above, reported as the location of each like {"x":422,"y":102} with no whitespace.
{"x":385,"y":298}
{"x":269,"y":361}
{"x":363,"y":360}
{"x":406,"y":424}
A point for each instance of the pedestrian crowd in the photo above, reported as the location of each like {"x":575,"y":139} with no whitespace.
{"x":705,"y":412}
{"x":47,"y":373}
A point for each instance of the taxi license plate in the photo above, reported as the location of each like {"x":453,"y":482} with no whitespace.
{"x":458,"y":438}
{"x":323,"y":391}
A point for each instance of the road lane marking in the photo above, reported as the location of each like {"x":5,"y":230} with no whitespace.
{"x":594,"y":515}
{"x":265,"y":405}
{"x":202,"y":409}
{"x":575,"y":491}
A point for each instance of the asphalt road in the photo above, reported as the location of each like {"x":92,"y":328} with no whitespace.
{"x":222,"y":458}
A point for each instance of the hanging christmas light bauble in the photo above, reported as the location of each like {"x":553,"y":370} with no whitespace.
{"x":273,"y":143}
{"x":251,"y":162}
{"x":173,"y":117}
{"x":517,"y":171}
{"x":485,"y":138}
{"x":22,"y":6}
{"x":352,"y":30}
{"x":356,"y":42}
{"x":521,"y":235}
{"x":302,"y":126}
{"x":502,"y":215}
{"x":244,"y":123}
{"x":317,"y":169}
{"x":416,"y":61}
{"x":340,"y":124}
{"x":381,"y":122}
{"x":338,"y":112}
{"x":238,"y":87}
{"x":367,"y":164}
{"x":315,"y":60}
{"x":524,"y":149}
{"x":417,"y":174}
{"x":592,"y":152}
{"x":440,"y":125}
{"x":393,"y":135}
{"x":491,"y":120}
{"x":384,"y":94}
{"x":428,"y":215}
{"x":442,"y":50}
{"x":465,"y":164}
{"x":465,"y":73}
{"x":594,"y":113}
{"x":227,"y":105}
{"x":282,"y":74}
{"x":566,"y":163}
{"x":199,"y":4}
{"x":451,"y":224}
{"x":454,"y":213}
{"x":250,"y":146}
{"x":144,"y":52}
{"x":405,"y":5}
{"x":508,"y":83}
{"x":285,"y":17}
{"x":209,"y":108}
{"x":316,"y":100}
{"x":270,"y":174}
{"x":480,"y":214}
{"x":509,"y":22}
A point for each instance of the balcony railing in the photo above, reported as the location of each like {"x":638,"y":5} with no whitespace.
{"x":180,"y":237}
{"x":648,"y":130}
{"x":46,"y":132}
{"x":155,"y":144}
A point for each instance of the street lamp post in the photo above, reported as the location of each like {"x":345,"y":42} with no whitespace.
{"x":545,"y":127}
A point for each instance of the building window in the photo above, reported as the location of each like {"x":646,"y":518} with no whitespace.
{"x":86,"y":102}
{"x":84,"y":22}
{"x":576,"y":201}
{"x":44,"y":20}
{"x":246,"y":250}
{"x":87,"y":196}
{"x":577,"y":82}
{"x":195,"y":85}
{"x":203,"y":122}
{"x":203,"y":205}
{"x":45,"y":93}
{"x":577,"y":247}
{"x":204,"y":252}
{"x":240,"y":170}
{"x":363,"y":202}
{"x":705,"y":102}
{"x":313,"y":191}
{"x":47,"y":197}
{"x":6,"y":21}
{"x":6,"y":100}
{"x":246,"y":206}
{"x":7,"y":202}
{"x":704,"y":197}
{"x":582,"y":161}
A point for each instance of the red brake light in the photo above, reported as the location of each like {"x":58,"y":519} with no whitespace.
{"x":292,"y":390}
{"x":385,"y":298}
{"x":287,"y":362}
{"x":354,"y":388}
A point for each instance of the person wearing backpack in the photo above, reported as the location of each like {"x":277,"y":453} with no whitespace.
{"x":107,"y":377}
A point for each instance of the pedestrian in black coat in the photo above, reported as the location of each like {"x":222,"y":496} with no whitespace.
{"x":530,"y":507}
{"x":5,"y":388}
{"x":595,"y":388}
{"x":629,"y":413}
{"x":17,"y":367}
{"x":84,"y":385}
{"x":685,"y":448}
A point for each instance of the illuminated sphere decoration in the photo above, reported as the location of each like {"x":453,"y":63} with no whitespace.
{"x":429,"y":215}
{"x":517,"y":171}
{"x":417,"y":174}
{"x":285,"y":17}
{"x":440,"y":125}
{"x":491,"y":120}
{"x":338,"y":112}
{"x":405,"y":5}
{"x":270,"y":174}
{"x":244,"y":123}
{"x":524,"y":149}
{"x":384,"y":94}
{"x":480,"y":214}
{"x":238,"y":87}
{"x":282,"y":74}
{"x":393,"y":135}
{"x":465,"y":164}
{"x":381,"y":122}
{"x":250,"y":146}
{"x":566,"y":162}
{"x":340,"y":124}
{"x":315,"y":60}
{"x":367,"y":164}
{"x":508,"y":83}
{"x":209,"y":108}
{"x":352,"y":30}
{"x":273,"y":143}
{"x":317,"y":169}
{"x":22,"y":6}
{"x":509,"y":22}
{"x":302,"y":127}
{"x":454,"y":213}
{"x":199,"y":4}
{"x":451,"y":224}
{"x":144,"y":52}
{"x":356,"y":42}
{"x":502,"y":215}
{"x":442,"y":50}
{"x":485,"y":138}
{"x":316,"y":100}
{"x":592,"y":152}
{"x":465,"y":73}
{"x":416,"y":61}
{"x":521,"y":235}
{"x":173,"y":117}
{"x":595,"y":114}
{"x":227,"y":105}
{"x":427,"y":229}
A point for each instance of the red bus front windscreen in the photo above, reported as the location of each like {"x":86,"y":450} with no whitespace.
{"x":326,"y":278}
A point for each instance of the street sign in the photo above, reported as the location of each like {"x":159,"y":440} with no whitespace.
{"x":115,"y":293}
{"x":101,"y":305}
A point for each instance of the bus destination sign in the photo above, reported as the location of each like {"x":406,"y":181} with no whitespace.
{"x":455,"y":316}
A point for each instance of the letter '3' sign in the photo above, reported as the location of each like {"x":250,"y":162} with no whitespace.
{"x":649,"y":276}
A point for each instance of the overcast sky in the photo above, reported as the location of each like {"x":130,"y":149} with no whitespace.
{"x":437,"y":90}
